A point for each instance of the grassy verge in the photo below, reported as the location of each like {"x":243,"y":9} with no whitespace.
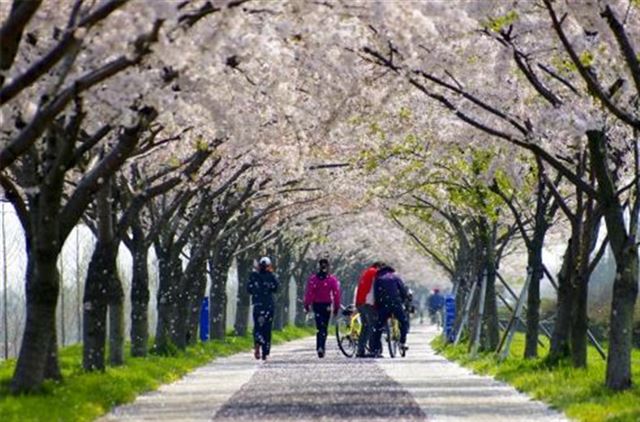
{"x":84,"y":396}
{"x":580,"y":393}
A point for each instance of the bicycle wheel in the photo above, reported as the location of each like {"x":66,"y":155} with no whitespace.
{"x":346,"y":343}
{"x":392,"y":343}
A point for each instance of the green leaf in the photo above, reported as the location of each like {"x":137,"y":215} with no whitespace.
{"x":496,"y":24}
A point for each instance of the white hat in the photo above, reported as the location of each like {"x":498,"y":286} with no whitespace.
{"x":265,"y":261}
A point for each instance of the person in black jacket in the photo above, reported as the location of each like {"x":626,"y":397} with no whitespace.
{"x":390,"y":294}
{"x":262,"y":285}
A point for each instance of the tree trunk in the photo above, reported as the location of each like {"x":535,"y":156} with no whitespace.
{"x":116,"y":333}
{"x":245,"y":266}
{"x":301,"y":316}
{"x":534,"y":262}
{"x":579,"y":323}
{"x":218,"y":299}
{"x":166,"y":306}
{"x":625,"y":285}
{"x":286,"y":298}
{"x":36,"y":361}
{"x":492,"y":329}
{"x":625,"y":291}
{"x":278,"y":317}
{"x":139,"y":299}
{"x":95,"y":303}
{"x":197,"y":290}
{"x":560,"y":348}
{"x":116,"y":317}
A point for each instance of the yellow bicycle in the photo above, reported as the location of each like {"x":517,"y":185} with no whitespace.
{"x":348,"y":328}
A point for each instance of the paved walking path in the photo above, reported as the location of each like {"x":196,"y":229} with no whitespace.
{"x":295,"y":385}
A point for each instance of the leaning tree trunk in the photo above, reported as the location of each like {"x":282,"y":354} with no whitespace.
{"x":625,"y":291}
{"x":37,"y":360}
{"x":625,"y":285}
{"x":139,"y":296}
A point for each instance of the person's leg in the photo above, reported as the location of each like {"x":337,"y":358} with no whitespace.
{"x":381,"y":318}
{"x":325,"y":317}
{"x":368,"y":315}
{"x":322,"y":315}
{"x":268,"y":325}
{"x":365,"y":330}
{"x":373,"y":318}
{"x":401,"y":316}
{"x":257,"y":331}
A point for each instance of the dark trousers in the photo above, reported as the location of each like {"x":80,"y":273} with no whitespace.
{"x":322,"y":313}
{"x":368,"y":317}
{"x":384,"y":313}
{"x":262,"y":322}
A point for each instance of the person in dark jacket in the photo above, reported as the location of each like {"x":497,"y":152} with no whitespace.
{"x":390,"y":294}
{"x":435,"y":304}
{"x":262,"y":285}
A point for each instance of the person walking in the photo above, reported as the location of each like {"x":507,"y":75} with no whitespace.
{"x":322,"y":295}
{"x":390,"y":295}
{"x":364,"y":304}
{"x":436,"y":303}
{"x":262,"y":285}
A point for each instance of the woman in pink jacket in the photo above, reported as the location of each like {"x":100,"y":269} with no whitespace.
{"x":322,"y":295}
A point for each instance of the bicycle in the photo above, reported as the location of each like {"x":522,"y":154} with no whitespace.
{"x":348,"y":328}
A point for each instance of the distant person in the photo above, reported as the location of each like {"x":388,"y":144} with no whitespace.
{"x":364,"y":304}
{"x":435,"y":303}
{"x":390,"y":296}
{"x":262,"y":285}
{"x":322,"y":295}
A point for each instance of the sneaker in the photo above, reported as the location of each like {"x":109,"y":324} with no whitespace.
{"x":264,"y":357}
{"x":320,"y":353}
{"x":256,"y":351}
{"x":404,"y":347}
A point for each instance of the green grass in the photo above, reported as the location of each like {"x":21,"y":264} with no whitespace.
{"x":580,"y":393}
{"x":83,"y":396}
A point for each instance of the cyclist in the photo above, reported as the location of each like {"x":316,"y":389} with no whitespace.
{"x":322,"y":295}
{"x":364,"y":303}
{"x":262,"y":284}
{"x":435,"y":304}
{"x":390,"y":296}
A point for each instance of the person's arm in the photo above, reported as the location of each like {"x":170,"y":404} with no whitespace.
{"x":308,"y":294}
{"x":336,"y":296}
{"x":251,"y":285}
{"x":274,"y":283}
{"x":404,"y":294}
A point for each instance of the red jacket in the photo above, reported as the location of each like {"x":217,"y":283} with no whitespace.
{"x":365,"y":292}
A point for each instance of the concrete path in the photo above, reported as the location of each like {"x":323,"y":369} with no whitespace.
{"x":295,"y":385}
